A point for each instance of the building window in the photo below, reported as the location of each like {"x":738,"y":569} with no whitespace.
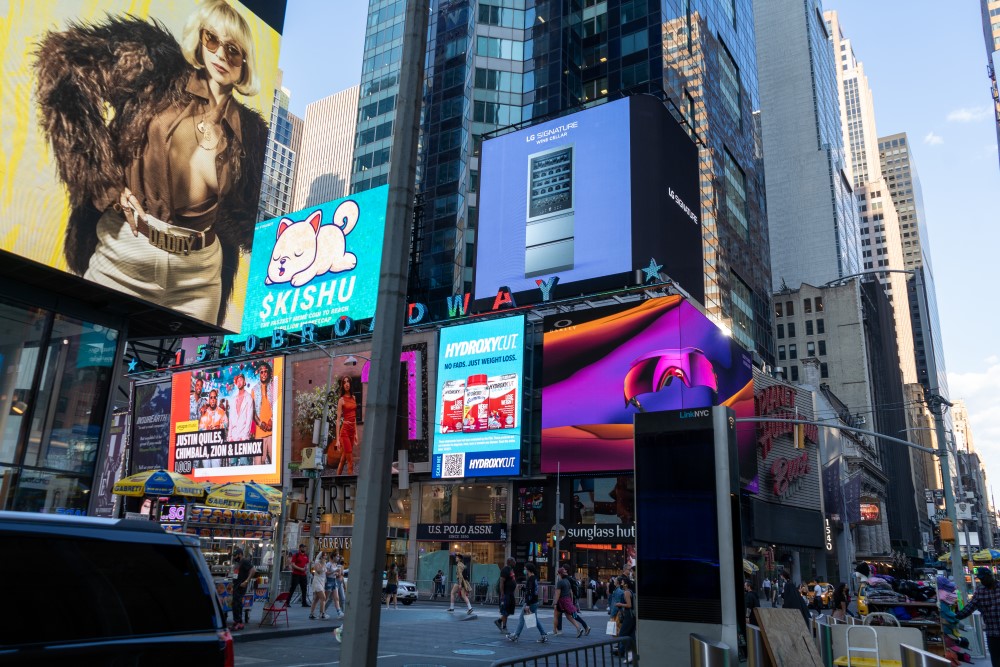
{"x":789,"y":308}
{"x":793,"y":352}
{"x":822,"y":348}
{"x":809,"y":327}
{"x":729,"y":85}
{"x":807,"y":305}
{"x":819,"y":304}
{"x":811,"y":349}
{"x":795,"y":373}
{"x":820,"y":328}
{"x":791,"y":329}
{"x":736,"y":196}
{"x":781,"y":331}
{"x":632,"y":10}
{"x":824,"y":370}
{"x":634,"y":42}
{"x":595,"y":89}
{"x":781,"y":353}
{"x":778,"y":310}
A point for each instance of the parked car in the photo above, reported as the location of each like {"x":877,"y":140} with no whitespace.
{"x":134,"y":594}
{"x":406,"y":592}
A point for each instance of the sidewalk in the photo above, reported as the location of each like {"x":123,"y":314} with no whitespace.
{"x":299,"y":623}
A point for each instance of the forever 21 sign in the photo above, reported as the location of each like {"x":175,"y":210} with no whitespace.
{"x":462,"y":532}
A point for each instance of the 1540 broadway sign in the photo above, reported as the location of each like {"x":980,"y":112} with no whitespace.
{"x":458,"y":532}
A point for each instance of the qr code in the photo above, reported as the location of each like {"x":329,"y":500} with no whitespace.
{"x":453,"y":465}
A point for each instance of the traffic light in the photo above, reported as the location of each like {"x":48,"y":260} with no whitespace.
{"x":551,"y":538}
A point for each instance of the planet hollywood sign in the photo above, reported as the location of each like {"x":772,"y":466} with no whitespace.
{"x":779,"y":401}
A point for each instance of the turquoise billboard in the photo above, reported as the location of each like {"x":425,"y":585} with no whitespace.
{"x":316,"y":265}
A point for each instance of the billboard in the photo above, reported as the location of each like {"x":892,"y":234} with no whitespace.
{"x":317,"y":265}
{"x":601,"y":367}
{"x":347,"y":397}
{"x":150,"y":440}
{"x":477,"y":423}
{"x":226,"y":422}
{"x":554,"y":196}
{"x":122,"y":165}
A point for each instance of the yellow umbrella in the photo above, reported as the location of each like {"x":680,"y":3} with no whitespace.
{"x":157,"y":483}
{"x":749,"y":568}
{"x":242,"y":496}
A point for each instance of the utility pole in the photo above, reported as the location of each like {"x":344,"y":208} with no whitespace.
{"x":371,"y":509}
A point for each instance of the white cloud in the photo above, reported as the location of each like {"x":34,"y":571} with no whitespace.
{"x":933,"y":139}
{"x":980,"y":390}
{"x":969,"y":115}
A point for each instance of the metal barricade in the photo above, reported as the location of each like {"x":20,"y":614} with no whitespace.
{"x":755,"y":647}
{"x":915,"y":657}
{"x":708,"y":652}
{"x":607,"y":653}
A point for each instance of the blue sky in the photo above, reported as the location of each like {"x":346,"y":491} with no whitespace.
{"x":927,"y":70}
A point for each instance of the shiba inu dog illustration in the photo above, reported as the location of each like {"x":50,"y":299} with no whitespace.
{"x":305,"y":249}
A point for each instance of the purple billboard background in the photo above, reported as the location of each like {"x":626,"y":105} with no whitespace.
{"x":664,"y":353}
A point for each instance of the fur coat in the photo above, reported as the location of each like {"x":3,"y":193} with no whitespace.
{"x":99,"y":86}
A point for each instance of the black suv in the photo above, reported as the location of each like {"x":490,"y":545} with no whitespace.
{"x":82,"y":590}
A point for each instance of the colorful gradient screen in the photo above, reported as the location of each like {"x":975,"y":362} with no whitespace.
{"x":602,"y":366}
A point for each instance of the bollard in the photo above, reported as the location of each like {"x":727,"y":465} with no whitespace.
{"x":915,"y":657}
{"x":708,"y":653}
{"x":977,"y":643}
{"x":755,"y":647}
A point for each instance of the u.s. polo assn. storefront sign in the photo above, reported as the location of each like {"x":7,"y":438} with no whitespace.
{"x":462,"y":532}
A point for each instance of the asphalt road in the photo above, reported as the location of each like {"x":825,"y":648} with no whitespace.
{"x":423,"y":635}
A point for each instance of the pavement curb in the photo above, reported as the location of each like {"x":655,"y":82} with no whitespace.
{"x":261,"y":635}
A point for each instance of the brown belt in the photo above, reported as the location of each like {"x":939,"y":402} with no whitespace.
{"x":179,"y":244}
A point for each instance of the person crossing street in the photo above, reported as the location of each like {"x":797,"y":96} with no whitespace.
{"x":530,"y":606}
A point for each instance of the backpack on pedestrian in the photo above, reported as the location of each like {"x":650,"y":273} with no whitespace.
{"x":575,"y":588}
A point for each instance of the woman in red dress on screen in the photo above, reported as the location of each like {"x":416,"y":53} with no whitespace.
{"x":347,"y":435}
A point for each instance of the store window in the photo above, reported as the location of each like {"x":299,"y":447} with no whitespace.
{"x":466,"y":503}
{"x":55,"y":375}
{"x":530,"y":505}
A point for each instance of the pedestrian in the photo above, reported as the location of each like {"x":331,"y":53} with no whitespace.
{"x":507,"y":585}
{"x":438,"y":585}
{"x":462,"y":586}
{"x":392,"y":586}
{"x":987,"y":600}
{"x":299,"y":563}
{"x":330,"y":590}
{"x":791,"y":598}
{"x":841,"y":598}
{"x":319,"y":586}
{"x":750,"y":599}
{"x":617,"y":595}
{"x":564,"y":604}
{"x":244,"y":575}
{"x":627,"y":614}
{"x":818,"y":598}
{"x":530,"y":605}
{"x":341,"y":590}
{"x":766,"y":590}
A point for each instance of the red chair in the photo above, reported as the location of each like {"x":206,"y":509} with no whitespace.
{"x":278,"y":607}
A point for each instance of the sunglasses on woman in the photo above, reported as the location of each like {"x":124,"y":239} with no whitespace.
{"x":234,"y":54}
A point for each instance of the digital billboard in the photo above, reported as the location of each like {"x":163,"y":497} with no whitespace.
{"x":150,"y":440}
{"x":601,"y":367}
{"x":133,"y":142}
{"x":347,"y":399}
{"x":590,"y":197}
{"x":317,"y":265}
{"x":226,"y":422}
{"x":477,"y":423}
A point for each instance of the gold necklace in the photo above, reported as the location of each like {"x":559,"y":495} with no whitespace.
{"x":211,"y":137}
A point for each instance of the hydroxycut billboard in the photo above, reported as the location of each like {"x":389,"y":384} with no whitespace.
{"x":477,"y":427}
{"x":590,"y":198}
{"x":317,"y":265}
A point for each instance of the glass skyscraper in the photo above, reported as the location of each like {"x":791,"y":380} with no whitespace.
{"x":497,"y":63}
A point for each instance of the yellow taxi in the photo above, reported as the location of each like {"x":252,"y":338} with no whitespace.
{"x":826,"y":597}
{"x":881,"y":590}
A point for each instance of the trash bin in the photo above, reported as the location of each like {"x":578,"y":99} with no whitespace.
{"x":915,"y":657}
{"x":708,"y":652}
{"x":755,"y":647}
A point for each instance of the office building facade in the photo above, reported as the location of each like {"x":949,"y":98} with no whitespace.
{"x":279,"y":160}
{"x":811,"y":212}
{"x":990,"y":10}
{"x":501,"y":64}
{"x":324,"y":163}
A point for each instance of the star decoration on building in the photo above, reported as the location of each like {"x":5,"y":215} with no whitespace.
{"x":652,"y":271}
{"x":133,"y":362}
